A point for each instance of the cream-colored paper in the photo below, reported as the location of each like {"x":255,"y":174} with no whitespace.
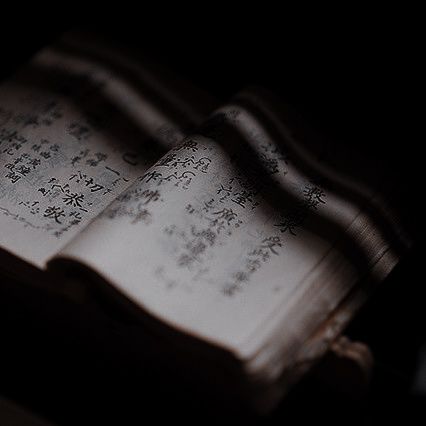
{"x":74,"y":134}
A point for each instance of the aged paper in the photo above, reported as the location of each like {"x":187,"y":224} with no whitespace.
{"x":74,"y":134}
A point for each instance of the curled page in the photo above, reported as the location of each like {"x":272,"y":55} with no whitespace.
{"x":227,"y":238}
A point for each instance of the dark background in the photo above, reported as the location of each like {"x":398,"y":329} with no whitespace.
{"x":355,"y":78}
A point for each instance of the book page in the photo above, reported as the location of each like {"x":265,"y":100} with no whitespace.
{"x":76,"y":129}
{"x":199,"y":242}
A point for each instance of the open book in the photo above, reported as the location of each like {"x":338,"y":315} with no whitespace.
{"x":224,"y":232}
